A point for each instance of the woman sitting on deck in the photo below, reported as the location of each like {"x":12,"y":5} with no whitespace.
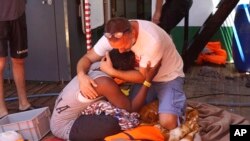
{"x":67,"y":121}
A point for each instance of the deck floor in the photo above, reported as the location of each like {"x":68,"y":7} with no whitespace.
{"x":224,"y":87}
{"x":220,"y":86}
{"x":40,"y":94}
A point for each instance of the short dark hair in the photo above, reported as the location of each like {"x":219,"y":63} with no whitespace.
{"x":117,"y":24}
{"x":122,"y":61}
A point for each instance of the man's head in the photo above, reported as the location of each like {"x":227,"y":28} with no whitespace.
{"x":118,"y":31}
{"x":115,"y":26}
{"x":122,"y":61}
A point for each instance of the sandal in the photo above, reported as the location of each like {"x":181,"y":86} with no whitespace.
{"x":3,"y":115}
{"x":31,"y":107}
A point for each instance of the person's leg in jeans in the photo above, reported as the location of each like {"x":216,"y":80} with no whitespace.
{"x":172,"y":102}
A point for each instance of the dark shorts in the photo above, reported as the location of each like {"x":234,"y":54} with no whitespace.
{"x":94,"y":128}
{"x":13,"y":38}
{"x":173,"y":11}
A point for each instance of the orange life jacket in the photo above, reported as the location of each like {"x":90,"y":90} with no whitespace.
{"x":142,"y":132}
{"x":215,"y":54}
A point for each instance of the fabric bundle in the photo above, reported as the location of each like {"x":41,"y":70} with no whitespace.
{"x":126,"y":120}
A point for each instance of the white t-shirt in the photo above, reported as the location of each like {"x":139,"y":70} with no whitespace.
{"x":152,"y":44}
{"x":70,"y":104}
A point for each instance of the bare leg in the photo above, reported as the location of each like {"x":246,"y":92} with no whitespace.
{"x":3,"y":108}
{"x":19,"y":78}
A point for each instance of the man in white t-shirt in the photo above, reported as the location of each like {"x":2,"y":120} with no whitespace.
{"x":151,"y":43}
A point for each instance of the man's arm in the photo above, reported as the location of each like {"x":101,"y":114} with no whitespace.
{"x":157,"y":13}
{"x":86,"y":84}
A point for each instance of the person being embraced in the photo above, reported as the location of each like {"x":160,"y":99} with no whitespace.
{"x":67,"y":121}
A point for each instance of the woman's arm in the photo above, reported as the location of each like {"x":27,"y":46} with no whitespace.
{"x":133,"y":76}
{"x":108,"y":88}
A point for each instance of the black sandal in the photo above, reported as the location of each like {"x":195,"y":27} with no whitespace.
{"x":29,"y":108}
{"x":3,"y":116}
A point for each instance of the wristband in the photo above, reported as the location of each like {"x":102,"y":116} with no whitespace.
{"x":146,"y":83}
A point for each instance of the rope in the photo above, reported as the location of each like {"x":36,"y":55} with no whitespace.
{"x":86,"y":23}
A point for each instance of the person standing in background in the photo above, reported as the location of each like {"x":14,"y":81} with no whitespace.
{"x":169,"y":14}
{"x":13,"y":38}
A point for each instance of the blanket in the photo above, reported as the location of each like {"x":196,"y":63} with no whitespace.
{"x":203,"y":122}
{"x":214,"y":122}
{"x":186,"y":131}
{"x":126,"y":120}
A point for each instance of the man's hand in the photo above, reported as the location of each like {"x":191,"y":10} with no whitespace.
{"x":106,"y":65}
{"x":86,"y":86}
{"x":156,"y":17}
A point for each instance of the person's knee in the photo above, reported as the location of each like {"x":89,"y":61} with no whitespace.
{"x":168,"y":121}
{"x":17,"y":61}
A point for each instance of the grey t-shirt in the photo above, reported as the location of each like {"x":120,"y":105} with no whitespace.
{"x":11,"y":9}
{"x":70,"y":104}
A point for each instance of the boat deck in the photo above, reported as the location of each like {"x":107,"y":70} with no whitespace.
{"x":222,"y":86}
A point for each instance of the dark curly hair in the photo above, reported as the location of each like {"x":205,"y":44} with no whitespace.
{"x":122,"y":61}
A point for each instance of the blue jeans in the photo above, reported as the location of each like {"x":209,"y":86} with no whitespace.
{"x":171,"y":96}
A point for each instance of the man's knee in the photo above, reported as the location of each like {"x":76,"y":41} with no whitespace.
{"x":168,"y":121}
